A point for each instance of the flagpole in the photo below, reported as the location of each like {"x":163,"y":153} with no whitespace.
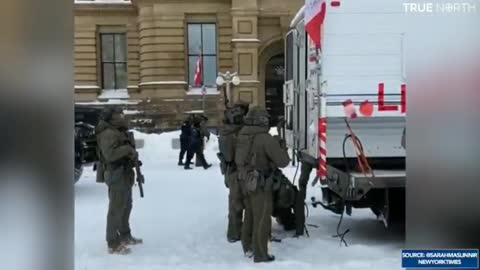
{"x":204,"y":90}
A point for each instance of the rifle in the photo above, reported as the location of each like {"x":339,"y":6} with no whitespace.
{"x":223,"y":163}
{"x":136,"y":162}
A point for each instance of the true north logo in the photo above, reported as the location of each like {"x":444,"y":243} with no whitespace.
{"x":442,"y":7}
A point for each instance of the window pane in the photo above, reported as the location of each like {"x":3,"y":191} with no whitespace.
{"x":209,"y":39}
{"x":108,"y":76}
{"x":120,"y":48}
{"x":192,"y":62}
{"x":107,"y":48}
{"x":194,"y":38}
{"x":210,"y":70}
{"x":121,"y":72}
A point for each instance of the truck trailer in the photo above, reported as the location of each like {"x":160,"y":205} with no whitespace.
{"x":345,"y":105}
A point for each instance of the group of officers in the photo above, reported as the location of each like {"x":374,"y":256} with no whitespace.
{"x":192,"y":141}
{"x":251,"y":159}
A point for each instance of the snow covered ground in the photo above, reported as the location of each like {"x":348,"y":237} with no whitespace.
{"x":183,"y":218}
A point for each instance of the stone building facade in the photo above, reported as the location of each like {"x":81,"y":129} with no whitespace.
{"x":146,"y":52}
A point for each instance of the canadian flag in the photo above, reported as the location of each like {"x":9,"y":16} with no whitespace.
{"x":197,"y":79}
{"x":315,"y":11}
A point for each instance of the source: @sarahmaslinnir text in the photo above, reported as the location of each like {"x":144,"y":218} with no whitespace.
{"x":441,"y":259}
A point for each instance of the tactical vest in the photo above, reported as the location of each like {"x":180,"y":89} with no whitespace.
{"x":251,"y":179}
{"x":227,"y":144}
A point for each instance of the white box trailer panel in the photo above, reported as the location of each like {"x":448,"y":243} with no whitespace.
{"x":362,"y":60}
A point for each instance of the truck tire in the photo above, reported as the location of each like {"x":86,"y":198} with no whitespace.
{"x":78,"y":165}
{"x":375,"y":211}
{"x":78,"y":173}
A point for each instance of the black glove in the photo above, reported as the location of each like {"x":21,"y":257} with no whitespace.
{"x":283,"y":144}
{"x":226,"y":183}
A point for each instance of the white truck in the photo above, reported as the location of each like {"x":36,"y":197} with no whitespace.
{"x":361,"y":63}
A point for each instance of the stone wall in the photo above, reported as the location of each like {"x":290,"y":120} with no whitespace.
{"x":247,"y":30}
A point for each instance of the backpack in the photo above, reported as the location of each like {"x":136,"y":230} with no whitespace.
{"x":285,"y":194}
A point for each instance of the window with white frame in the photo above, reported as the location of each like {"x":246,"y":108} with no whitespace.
{"x":202,"y":44}
{"x":114,"y":60}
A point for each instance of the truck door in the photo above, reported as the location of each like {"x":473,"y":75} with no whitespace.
{"x":289,"y":89}
{"x":313,"y":101}
{"x":300,"y":78}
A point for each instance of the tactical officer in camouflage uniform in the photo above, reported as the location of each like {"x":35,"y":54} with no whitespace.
{"x":228,"y":132}
{"x":257,"y":155}
{"x":116,"y":155}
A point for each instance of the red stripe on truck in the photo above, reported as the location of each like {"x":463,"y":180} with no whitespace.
{"x":404,"y":98}
{"x":322,"y":140}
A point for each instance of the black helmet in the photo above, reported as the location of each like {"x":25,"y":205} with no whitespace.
{"x":236,"y":114}
{"x":243,"y":105}
{"x":257,"y":116}
{"x":108,"y":113}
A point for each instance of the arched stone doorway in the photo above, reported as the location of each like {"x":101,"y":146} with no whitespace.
{"x":271,"y":66}
{"x":274,"y":79}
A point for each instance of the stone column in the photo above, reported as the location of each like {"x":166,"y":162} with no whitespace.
{"x":162,"y":51}
{"x":245,"y":49}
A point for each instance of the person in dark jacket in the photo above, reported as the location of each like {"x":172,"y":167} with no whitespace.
{"x":196,"y":147}
{"x":205,"y":134}
{"x":185,"y":136}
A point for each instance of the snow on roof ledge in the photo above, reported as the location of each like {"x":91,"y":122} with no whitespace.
{"x":128,"y":2}
{"x":194,"y":112}
{"x":298,"y":17}
{"x":162,"y":82}
{"x":87,"y":87}
{"x":245,"y":40}
{"x":109,"y":102}
{"x":114,"y":94}
{"x":198,"y":91}
{"x":131,"y":112}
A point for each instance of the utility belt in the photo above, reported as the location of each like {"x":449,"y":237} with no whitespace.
{"x":253,"y":180}
{"x":226,"y":167}
{"x":231,"y":167}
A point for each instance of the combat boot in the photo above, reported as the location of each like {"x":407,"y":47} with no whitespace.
{"x":119,"y":249}
{"x":187,"y":166}
{"x":233,"y":240}
{"x":270,"y":258}
{"x":207,"y":166}
{"x":130,"y":240}
{"x":180,"y":163}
